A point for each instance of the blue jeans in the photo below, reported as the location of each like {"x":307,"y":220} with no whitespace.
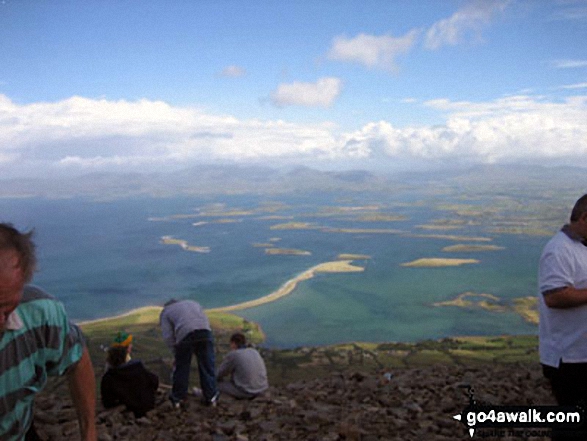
{"x":201,"y":343}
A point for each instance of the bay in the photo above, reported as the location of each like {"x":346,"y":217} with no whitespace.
{"x":102,"y":258}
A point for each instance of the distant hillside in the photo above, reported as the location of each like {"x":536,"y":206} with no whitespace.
{"x":240,"y":179}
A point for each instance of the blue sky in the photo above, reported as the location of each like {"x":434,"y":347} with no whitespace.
{"x":141,"y":85}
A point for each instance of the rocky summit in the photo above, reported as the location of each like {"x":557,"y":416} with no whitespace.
{"x":404,"y":404}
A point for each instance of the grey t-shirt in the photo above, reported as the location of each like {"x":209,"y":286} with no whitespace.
{"x":247,"y":370}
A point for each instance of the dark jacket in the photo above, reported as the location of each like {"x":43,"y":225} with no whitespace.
{"x":130,"y":384}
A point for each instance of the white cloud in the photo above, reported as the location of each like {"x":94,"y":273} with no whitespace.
{"x":89,"y":134}
{"x":101,"y":134}
{"x":509,"y":129}
{"x":575,"y":86}
{"x":472,"y":18}
{"x":233,"y":72}
{"x":371,"y":50}
{"x":322,"y":93}
{"x":568,"y":64}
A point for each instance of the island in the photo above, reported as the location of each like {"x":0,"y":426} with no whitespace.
{"x":434,"y":262}
{"x":353,"y":257}
{"x":451,"y":237}
{"x":526,"y":307}
{"x":287,"y":252}
{"x":471,"y":299}
{"x":362,"y":230}
{"x":293,"y":226}
{"x":472,"y":248}
{"x":169,"y":240}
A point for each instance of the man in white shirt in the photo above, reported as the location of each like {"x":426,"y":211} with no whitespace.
{"x":562,"y":304}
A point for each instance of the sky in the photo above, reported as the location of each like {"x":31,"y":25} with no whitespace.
{"x":154,"y":85}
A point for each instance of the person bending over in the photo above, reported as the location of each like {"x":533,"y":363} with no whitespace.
{"x":186,"y":331}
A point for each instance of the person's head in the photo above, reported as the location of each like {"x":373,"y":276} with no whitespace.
{"x":17,"y":265}
{"x":116,"y":356}
{"x":169,"y":302}
{"x":238,"y":341}
{"x":579,"y":216}
{"x":580,"y":209}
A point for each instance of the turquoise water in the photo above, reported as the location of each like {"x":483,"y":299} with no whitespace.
{"x":104,"y":258}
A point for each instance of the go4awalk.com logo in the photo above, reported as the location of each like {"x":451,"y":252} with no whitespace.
{"x":508,"y":417}
{"x":517,"y":420}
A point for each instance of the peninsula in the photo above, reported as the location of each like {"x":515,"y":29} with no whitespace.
{"x":343,"y":266}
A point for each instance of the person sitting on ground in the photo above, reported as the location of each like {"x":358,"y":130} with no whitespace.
{"x":122,"y":340}
{"x":246,"y":368}
{"x":128,"y":382}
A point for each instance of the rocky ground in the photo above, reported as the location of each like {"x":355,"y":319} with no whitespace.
{"x":415,"y":404}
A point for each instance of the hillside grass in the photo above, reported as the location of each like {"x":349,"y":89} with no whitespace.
{"x":287,"y":365}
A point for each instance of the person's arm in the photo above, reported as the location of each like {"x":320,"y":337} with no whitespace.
{"x":82,"y":386}
{"x":567,"y":297}
{"x":167,"y":330}
{"x":226,"y":367}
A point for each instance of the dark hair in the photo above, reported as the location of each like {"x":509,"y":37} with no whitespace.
{"x":238,"y":339}
{"x":116,"y":355}
{"x":169,"y":302}
{"x":12,"y":239}
{"x":579,"y":209}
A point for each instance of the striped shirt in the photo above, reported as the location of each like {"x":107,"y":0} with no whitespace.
{"x":38,"y":341}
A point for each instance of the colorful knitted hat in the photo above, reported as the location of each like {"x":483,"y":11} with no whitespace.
{"x":122,"y":339}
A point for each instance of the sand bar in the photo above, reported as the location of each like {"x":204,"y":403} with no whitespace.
{"x":343,"y":266}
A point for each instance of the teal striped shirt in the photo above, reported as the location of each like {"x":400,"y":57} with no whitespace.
{"x":44,"y":343}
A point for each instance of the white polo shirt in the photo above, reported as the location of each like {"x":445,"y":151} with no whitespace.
{"x":562,"y":331}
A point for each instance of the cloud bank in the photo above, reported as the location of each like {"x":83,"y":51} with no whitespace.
{"x":88,"y":134}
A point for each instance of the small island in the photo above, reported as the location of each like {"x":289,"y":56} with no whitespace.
{"x":451,"y":237}
{"x":470,"y":299}
{"x":435,"y":262}
{"x":293,"y":226}
{"x":169,"y":240}
{"x":526,"y":307}
{"x":362,"y":230}
{"x":353,"y":257}
{"x":287,"y":252}
{"x":472,"y":248}
{"x":381,"y":218}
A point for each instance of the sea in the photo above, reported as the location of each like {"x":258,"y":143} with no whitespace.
{"x":105,"y":257}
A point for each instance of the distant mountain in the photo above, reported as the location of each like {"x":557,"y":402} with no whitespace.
{"x":240,"y":179}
